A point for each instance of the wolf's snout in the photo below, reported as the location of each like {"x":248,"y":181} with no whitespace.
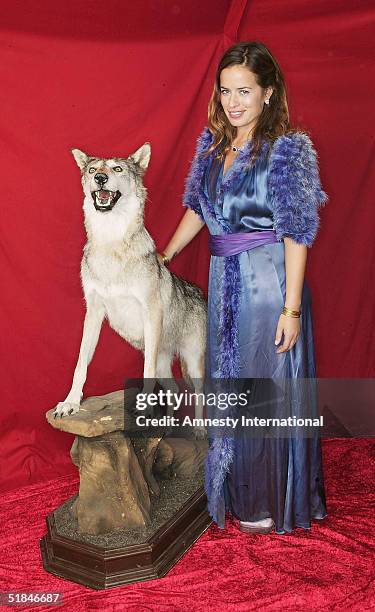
{"x":100,"y":178}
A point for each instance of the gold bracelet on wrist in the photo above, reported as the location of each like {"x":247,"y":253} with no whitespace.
{"x":165,"y":259}
{"x":291,"y":313}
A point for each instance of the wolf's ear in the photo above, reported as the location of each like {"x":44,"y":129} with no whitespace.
{"x":81,"y":158}
{"x":142,"y":156}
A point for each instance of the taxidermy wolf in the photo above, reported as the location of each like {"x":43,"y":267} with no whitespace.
{"x":151,"y":308}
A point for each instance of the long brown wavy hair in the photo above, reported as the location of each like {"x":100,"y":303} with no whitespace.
{"x":274,"y":118}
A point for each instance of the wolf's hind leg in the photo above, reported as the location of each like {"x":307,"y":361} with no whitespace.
{"x":91,"y":330}
{"x":165,"y":377}
{"x":192,"y":362}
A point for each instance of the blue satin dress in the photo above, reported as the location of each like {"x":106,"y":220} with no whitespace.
{"x":278,"y":478}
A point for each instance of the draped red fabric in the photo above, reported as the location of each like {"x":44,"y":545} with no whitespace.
{"x":326,"y":52}
{"x":329,"y":567}
{"x":103,"y":77}
{"x":106,"y":77}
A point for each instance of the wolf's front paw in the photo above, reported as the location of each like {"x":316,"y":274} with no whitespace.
{"x":200,"y":432}
{"x":64,"y":409}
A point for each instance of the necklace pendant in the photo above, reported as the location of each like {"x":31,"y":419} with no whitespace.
{"x":241,"y":148}
{"x":238,"y":149}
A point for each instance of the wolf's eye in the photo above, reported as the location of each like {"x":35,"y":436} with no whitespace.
{"x":91,"y":170}
{"x":117,"y":169}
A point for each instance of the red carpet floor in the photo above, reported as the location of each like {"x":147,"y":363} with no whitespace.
{"x":330,"y":567}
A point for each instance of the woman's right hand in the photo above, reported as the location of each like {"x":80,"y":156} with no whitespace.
{"x":188,"y":227}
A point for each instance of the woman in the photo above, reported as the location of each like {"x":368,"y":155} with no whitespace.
{"x":255,"y":182}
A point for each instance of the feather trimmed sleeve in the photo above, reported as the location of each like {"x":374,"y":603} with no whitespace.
{"x":191,"y":197}
{"x":295,"y":189}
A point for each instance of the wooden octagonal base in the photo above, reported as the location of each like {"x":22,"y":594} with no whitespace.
{"x":102,"y":568}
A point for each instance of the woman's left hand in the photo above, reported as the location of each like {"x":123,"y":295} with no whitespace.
{"x":291,"y":326}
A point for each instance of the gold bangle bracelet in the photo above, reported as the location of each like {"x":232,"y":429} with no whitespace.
{"x":165,"y":258}
{"x":291,"y":313}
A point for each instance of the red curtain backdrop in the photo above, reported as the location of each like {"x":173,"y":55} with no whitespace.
{"x":326,"y":50}
{"x":106,"y":77}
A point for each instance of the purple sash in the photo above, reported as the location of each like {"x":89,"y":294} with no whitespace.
{"x":233,"y":244}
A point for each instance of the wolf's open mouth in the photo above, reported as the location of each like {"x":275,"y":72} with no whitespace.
{"x":105,"y":200}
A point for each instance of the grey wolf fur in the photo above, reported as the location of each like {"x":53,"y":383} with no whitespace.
{"x":123,"y":280}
